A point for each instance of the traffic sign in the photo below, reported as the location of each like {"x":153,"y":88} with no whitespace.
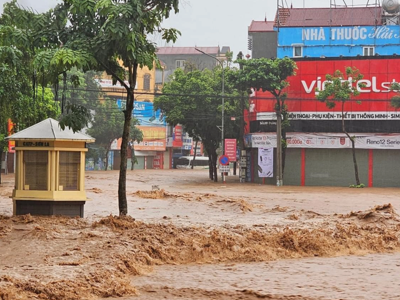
{"x":223,"y":168}
{"x":224,"y":160}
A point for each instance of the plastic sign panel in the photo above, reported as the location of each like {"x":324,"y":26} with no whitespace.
{"x":374,"y":98}
{"x":10,"y":130}
{"x":230,"y":149}
{"x":265,"y":162}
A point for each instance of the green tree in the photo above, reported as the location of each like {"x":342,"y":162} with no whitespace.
{"x":339,"y":89}
{"x":112,"y":35}
{"x":269,"y":75}
{"x":395,"y":101}
{"x":107,"y":126}
{"x":193,"y":100}
{"x":22,"y":98}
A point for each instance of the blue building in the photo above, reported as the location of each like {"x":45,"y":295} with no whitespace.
{"x":338,"y":31}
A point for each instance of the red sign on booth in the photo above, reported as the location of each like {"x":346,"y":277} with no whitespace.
{"x":230,"y":149}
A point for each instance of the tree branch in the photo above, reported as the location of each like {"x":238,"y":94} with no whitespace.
{"x":122,"y":82}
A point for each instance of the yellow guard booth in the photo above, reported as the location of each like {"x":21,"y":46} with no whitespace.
{"x":50,"y":170}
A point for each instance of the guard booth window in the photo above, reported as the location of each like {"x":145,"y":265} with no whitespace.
{"x":35,"y":170}
{"x":69,"y":170}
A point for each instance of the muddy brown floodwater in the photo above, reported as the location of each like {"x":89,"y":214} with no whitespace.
{"x":189,"y":238}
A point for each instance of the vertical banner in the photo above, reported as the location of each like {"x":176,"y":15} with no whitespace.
{"x":10,"y":129}
{"x":265,"y":162}
{"x":177,"y":136}
{"x":230,"y":149}
{"x":158,"y":161}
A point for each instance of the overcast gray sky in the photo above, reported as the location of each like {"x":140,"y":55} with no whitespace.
{"x":215,"y":22}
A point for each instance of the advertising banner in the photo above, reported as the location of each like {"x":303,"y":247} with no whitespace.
{"x":373,"y":103}
{"x":230,"y":149}
{"x":325,"y":140}
{"x":144,"y":112}
{"x":10,"y":130}
{"x":158,"y":161}
{"x":265,"y":162}
{"x":177,"y":136}
{"x":154,"y":139}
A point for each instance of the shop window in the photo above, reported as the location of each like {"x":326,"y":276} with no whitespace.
{"x":69,"y":170}
{"x":146,"y":82}
{"x":368,"y":51}
{"x":297,"y":51}
{"x":35,"y":170}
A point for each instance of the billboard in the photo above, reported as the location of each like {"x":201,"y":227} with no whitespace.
{"x":154,"y":139}
{"x":374,"y":98}
{"x":144,"y":112}
{"x":331,"y":40}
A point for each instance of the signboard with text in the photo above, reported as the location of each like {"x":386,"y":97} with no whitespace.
{"x":230,"y":149}
{"x":325,"y":140}
{"x":373,"y":103}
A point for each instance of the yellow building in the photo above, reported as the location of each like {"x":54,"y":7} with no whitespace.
{"x":50,"y":170}
{"x":144,"y":90}
{"x":151,"y":152}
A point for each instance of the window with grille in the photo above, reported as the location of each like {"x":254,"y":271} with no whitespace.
{"x":368,"y":51}
{"x":35,"y":166}
{"x":69,"y":170}
{"x":146,"y":82}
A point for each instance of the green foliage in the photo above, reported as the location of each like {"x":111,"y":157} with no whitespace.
{"x":198,"y":106}
{"x":76,"y":118}
{"x":361,"y":185}
{"x":21,"y":99}
{"x":264,"y":74}
{"x":395,"y":101}
{"x":340,"y":87}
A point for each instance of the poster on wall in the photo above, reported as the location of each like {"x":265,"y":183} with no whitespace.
{"x":265,"y":162}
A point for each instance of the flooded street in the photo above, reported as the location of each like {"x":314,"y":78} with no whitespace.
{"x":372,"y":277}
{"x":190,"y":238}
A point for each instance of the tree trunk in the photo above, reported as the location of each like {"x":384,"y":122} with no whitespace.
{"x":210,"y":168}
{"x":214,"y":163}
{"x":133,"y":158}
{"x":284,"y":147}
{"x":106,"y":164}
{"x":353,"y":147}
{"x":210,"y":163}
{"x":1,"y":161}
{"x":122,"y":202}
{"x":194,"y":154}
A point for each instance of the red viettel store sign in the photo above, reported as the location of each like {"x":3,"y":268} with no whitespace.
{"x":230,"y":149}
{"x":302,"y":104}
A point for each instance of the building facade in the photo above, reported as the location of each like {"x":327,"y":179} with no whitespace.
{"x":172,"y":58}
{"x":318,"y":152}
{"x":262,"y":39}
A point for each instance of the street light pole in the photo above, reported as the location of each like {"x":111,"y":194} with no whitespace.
{"x":223,"y":104}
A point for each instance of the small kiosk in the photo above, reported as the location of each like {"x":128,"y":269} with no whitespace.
{"x":50,"y":170}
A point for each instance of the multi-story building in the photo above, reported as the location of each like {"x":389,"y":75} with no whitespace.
{"x":151,"y":152}
{"x":321,"y":41}
{"x":177,"y":57}
{"x":262,"y":39}
{"x":171,"y":58}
